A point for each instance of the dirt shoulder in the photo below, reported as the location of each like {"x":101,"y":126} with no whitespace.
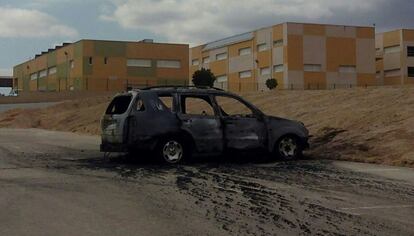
{"x":42,"y":97}
{"x":367,"y":125}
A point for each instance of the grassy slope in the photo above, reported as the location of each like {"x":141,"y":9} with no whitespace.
{"x":369,"y":125}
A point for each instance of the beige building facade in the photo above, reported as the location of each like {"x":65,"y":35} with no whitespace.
{"x":297,"y":55}
{"x":395,"y":57}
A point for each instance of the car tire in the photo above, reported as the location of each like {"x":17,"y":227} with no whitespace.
{"x":172,"y":150}
{"x":288,"y":148}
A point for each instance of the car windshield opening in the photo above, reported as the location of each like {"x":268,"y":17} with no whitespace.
{"x":119,"y":105}
{"x":233,"y":107}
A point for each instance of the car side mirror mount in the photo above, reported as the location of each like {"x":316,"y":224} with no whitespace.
{"x":259,"y":116}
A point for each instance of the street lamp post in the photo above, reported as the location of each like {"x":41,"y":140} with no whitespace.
{"x":28,"y":75}
{"x":67,"y":70}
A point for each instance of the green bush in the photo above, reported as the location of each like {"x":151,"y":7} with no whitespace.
{"x":203,"y":78}
{"x":271,"y":83}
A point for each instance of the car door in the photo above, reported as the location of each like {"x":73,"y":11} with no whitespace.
{"x":243,"y":128}
{"x":199,"y":118}
{"x":136,"y":126}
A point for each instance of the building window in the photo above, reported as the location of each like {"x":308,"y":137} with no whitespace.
{"x":265,"y":71}
{"x":410,"y":71}
{"x":312,"y":67}
{"x":245,"y":74}
{"x":195,"y":62}
{"x":392,"y":73}
{"x":221,"y":56}
{"x":206,"y":60}
{"x":90,"y":60}
{"x":105,"y":60}
{"x":33,"y":76}
{"x":347,"y":69}
{"x":52,"y":70}
{"x":278,"y":43}
{"x":245,"y":51}
{"x":169,"y":64}
{"x":221,"y":78}
{"x":262,"y":47}
{"x":72,"y":64}
{"x":410,"y":51}
{"x":42,"y":73}
{"x":138,"y":63}
{"x":392,"y":49}
{"x":278,"y":68}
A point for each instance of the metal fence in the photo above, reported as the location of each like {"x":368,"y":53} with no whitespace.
{"x":109,"y":84}
{"x":122,"y":84}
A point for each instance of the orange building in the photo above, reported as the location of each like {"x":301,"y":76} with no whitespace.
{"x":297,"y":55}
{"x":395,"y":57}
{"x":99,"y":65}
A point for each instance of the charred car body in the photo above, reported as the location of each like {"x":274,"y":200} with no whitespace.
{"x":176,"y":122}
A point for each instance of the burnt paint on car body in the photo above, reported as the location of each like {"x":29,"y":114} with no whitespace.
{"x":143,"y":129}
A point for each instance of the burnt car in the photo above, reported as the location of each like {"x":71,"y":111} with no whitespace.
{"x":177,"y":122}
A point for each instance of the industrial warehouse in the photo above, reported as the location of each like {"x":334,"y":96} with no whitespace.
{"x":297,"y":55}
{"x":97,"y":65}
{"x":395,"y":57}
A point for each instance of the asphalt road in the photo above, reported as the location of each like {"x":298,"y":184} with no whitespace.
{"x":59,"y":184}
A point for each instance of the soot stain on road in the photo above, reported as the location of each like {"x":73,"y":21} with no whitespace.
{"x":265,"y":209}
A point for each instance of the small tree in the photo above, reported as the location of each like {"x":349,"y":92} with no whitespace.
{"x":204,"y":78}
{"x":271,"y":83}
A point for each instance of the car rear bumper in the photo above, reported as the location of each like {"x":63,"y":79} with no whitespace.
{"x":109,"y":147}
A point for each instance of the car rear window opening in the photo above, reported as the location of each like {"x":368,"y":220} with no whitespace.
{"x":119,"y":105}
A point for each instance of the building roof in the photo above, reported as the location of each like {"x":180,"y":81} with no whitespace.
{"x":249,"y":35}
{"x":229,"y":41}
{"x":394,"y":30}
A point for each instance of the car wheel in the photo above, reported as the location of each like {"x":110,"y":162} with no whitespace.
{"x":288,"y":148}
{"x":172,"y":150}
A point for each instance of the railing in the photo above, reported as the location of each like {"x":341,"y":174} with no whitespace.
{"x":121,"y":84}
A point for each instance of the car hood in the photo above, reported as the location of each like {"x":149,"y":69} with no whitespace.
{"x":279,"y":119}
{"x":274,"y":121}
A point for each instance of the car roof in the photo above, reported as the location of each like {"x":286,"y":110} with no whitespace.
{"x":182,"y":89}
{"x":191,"y":90}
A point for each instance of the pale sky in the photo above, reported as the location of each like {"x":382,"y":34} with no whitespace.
{"x":29,"y":26}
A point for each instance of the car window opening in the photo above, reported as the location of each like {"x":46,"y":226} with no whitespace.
{"x":140,"y":105}
{"x":167,"y":101}
{"x":119,"y":105}
{"x":197,"y":105}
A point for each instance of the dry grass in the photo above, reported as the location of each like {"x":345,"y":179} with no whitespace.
{"x":368,"y":125}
